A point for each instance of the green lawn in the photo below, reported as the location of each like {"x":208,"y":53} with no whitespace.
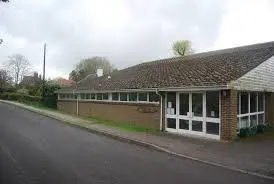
{"x":122,"y":125}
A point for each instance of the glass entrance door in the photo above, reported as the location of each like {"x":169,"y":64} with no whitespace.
{"x":191,"y":113}
{"x":194,"y":113}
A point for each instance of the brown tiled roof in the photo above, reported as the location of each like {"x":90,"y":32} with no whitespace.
{"x":64,"y":82}
{"x":215,"y":68}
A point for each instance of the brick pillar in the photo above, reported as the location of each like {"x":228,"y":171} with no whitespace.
{"x":228,"y":119}
{"x":269,"y":108}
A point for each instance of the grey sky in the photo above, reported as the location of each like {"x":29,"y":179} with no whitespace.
{"x":127,"y":32}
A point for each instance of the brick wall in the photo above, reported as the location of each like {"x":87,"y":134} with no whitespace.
{"x":228,"y":114}
{"x":146,"y":115}
{"x":69,"y":107}
{"x":269,"y":108}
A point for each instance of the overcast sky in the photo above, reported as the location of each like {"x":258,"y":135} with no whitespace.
{"x":127,"y":32}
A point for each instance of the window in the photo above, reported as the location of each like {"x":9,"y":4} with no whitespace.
{"x":251,"y":107}
{"x":261,"y":102}
{"x":184,"y":124}
{"x":105,"y":96}
{"x":83,"y":96}
{"x":92,"y":96}
{"x":115,"y":96}
{"x":197,"y":126}
{"x":88,"y":96}
{"x":184,"y":103}
{"x":142,"y":97}
{"x":197,"y":104}
{"x":132,"y":96}
{"x":212,"y":104}
{"x":171,"y":103}
{"x":212,"y":128}
{"x":123,"y":96}
{"x":244,"y":103}
{"x":171,"y":123}
{"x":99,"y":96}
{"x":153,"y":97}
{"x":253,"y":102}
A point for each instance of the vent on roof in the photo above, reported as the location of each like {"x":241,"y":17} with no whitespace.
{"x":99,"y":72}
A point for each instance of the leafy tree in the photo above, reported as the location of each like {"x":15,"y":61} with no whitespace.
{"x":182,"y":48}
{"x":90,"y":66}
{"x":18,"y":65}
{"x":5,"y":79}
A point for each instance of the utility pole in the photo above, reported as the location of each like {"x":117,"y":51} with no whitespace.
{"x":44,"y":73}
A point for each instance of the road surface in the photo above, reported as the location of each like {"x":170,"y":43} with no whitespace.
{"x":37,"y":149}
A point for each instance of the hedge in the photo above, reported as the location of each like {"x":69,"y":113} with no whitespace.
{"x":20,"y":98}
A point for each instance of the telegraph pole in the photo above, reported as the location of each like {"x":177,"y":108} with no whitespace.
{"x":44,"y":73}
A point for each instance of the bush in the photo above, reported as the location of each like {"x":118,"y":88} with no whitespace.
{"x":261,"y":128}
{"x":21,"y":98}
{"x":10,"y":96}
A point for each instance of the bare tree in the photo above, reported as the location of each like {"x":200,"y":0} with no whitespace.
{"x":5,"y":78}
{"x":18,"y":65}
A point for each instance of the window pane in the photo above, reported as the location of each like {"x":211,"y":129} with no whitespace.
{"x":197,"y":104}
{"x":88,"y":96}
{"x":212,"y":104}
{"x":244,"y":103}
{"x":184,"y":103}
{"x":105,"y":96}
{"x":123,"y":96}
{"x":253,"y":120}
{"x":153,"y":97}
{"x":212,"y":128}
{"x":261,"y":118}
{"x":75,"y":96}
{"x":253,"y":102}
{"x":83,"y":96}
{"x":115,"y":96}
{"x":261,"y":102}
{"x":171,"y":103}
{"x":92,"y":96}
{"x":171,"y":123}
{"x":238,"y":101}
{"x":243,"y":122}
{"x":99,"y":96}
{"x":142,"y":97}
{"x":184,"y":124}
{"x":132,"y":96}
{"x":197,"y":126}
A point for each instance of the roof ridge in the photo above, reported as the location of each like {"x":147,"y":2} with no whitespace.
{"x":213,"y":52}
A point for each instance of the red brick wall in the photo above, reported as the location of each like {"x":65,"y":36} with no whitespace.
{"x":269,"y":108}
{"x":146,"y":115}
{"x":67,"y":107}
{"x":228,"y":114}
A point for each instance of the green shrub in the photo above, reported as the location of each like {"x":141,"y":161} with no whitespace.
{"x":261,"y":128}
{"x":10,"y":96}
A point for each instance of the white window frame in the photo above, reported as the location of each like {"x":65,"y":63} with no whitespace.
{"x":249,"y":114}
{"x":204,"y":119}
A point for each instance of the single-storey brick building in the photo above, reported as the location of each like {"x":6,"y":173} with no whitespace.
{"x":210,"y":94}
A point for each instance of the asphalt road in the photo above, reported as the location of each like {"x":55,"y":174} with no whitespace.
{"x":37,"y":149}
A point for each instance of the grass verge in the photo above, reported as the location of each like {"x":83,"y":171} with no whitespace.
{"x":94,"y":120}
{"x":121,"y":125}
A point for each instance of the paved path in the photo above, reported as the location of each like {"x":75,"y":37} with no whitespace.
{"x":255,"y":157}
{"x":37,"y":149}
